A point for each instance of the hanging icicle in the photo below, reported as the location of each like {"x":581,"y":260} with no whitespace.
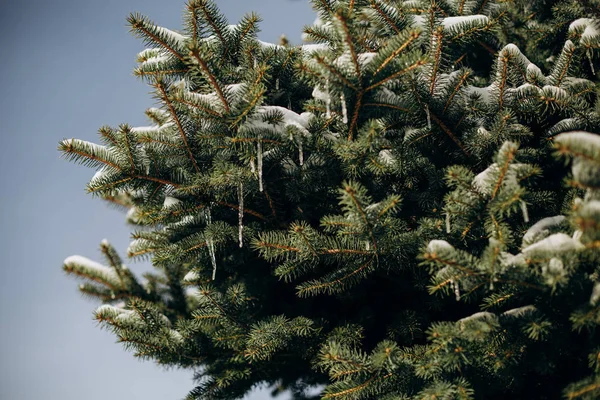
{"x":277,"y":84}
{"x":260,"y":163}
{"x":327,"y":99}
{"x":447,"y":222}
{"x":241,"y":214}
{"x":210,"y":245}
{"x":368,"y":245}
{"x":524,"y":211}
{"x":254,"y":62}
{"x":589,"y":56}
{"x":456,"y":288}
{"x":252,"y":166}
{"x":428,"y":116}
{"x":344,"y":109}
{"x":300,"y":152}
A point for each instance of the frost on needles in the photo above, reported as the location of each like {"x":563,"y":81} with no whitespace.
{"x":407,"y":206}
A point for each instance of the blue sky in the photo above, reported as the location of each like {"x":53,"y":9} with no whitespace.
{"x":66,"y":71}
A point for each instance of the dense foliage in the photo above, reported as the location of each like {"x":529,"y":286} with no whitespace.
{"x":408,"y":207}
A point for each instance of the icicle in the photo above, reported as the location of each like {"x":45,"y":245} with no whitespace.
{"x":260,"y":163}
{"x":252,"y":166}
{"x":210,"y":245}
{"x":524,"y":211}
{"x":428,"y":116}
{"x":447,"y":222}
{"x":255,"y":62}
{"x":589,"y":56}
{"x":344,"y":109}
{"x":456,"y":288}
{"x":368,"y":245}
{"x":327,"y":100}
{"x":300,"y":153}
{"x":241,"y":214}
{"x":277,"y":84}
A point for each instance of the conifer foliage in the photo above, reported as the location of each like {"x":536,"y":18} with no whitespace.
{"x":406,"y":207}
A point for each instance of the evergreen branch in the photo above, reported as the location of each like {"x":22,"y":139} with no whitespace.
{"x":414,"y":35}
{"x":417,"y":64}
{"x":384,"y":16}
{"x":213,"y":80}
{"x":585,"y":390}
{"x":138,"y":24}
{"x":463,"y":79}
{"x":197,"y":106}
{"x":352,"y":193}
{"x":386,"y":105}
{"x":509,"y":157}
{"x":175,"y":117}
{"x":323,"y":62}
{"x":209,"y":18}
{"x":448,"y":132}
{"x":338,"y":281}
{"x":277,"y":246}
{"x":67,"y":147}
{"x":348,"y":40}
{"x":437,"y":37}
{"x":249,"y":107}
{"x":355,"y":114}
{"x":356,"y":388}
{"x":246,"y":210}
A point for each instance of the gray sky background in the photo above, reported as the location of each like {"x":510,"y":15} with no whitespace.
{"x":65,"y":71}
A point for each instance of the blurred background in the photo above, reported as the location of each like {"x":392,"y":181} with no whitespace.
{"x":66,"y":71}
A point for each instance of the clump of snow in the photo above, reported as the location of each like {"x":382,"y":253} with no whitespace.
{"x":386,"y":157}
{"x":75,"y":261}
{"x":178,"y":38}
{"x":479,"y":316}
{"x":451,"y":22}
{"x":436,"y":246}
{"x":267,"y":45}
{"x":311,"y":48}
{"x":520,"y":311}
{"x":191,"y":276}
{"x":170,"y":202}
{"x":542,"y":228}
{"x":290,"y":118}
{"x":589,"y":29}
{"x":483,"y":181}
{"x":509,"y":260}
{"x":553,"y":244}
{"x":587,"y":140}
{"x":155,"y":60}
{"x":483,"y":93}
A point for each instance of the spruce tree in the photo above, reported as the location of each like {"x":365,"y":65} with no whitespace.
{"x":405,"y":207}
